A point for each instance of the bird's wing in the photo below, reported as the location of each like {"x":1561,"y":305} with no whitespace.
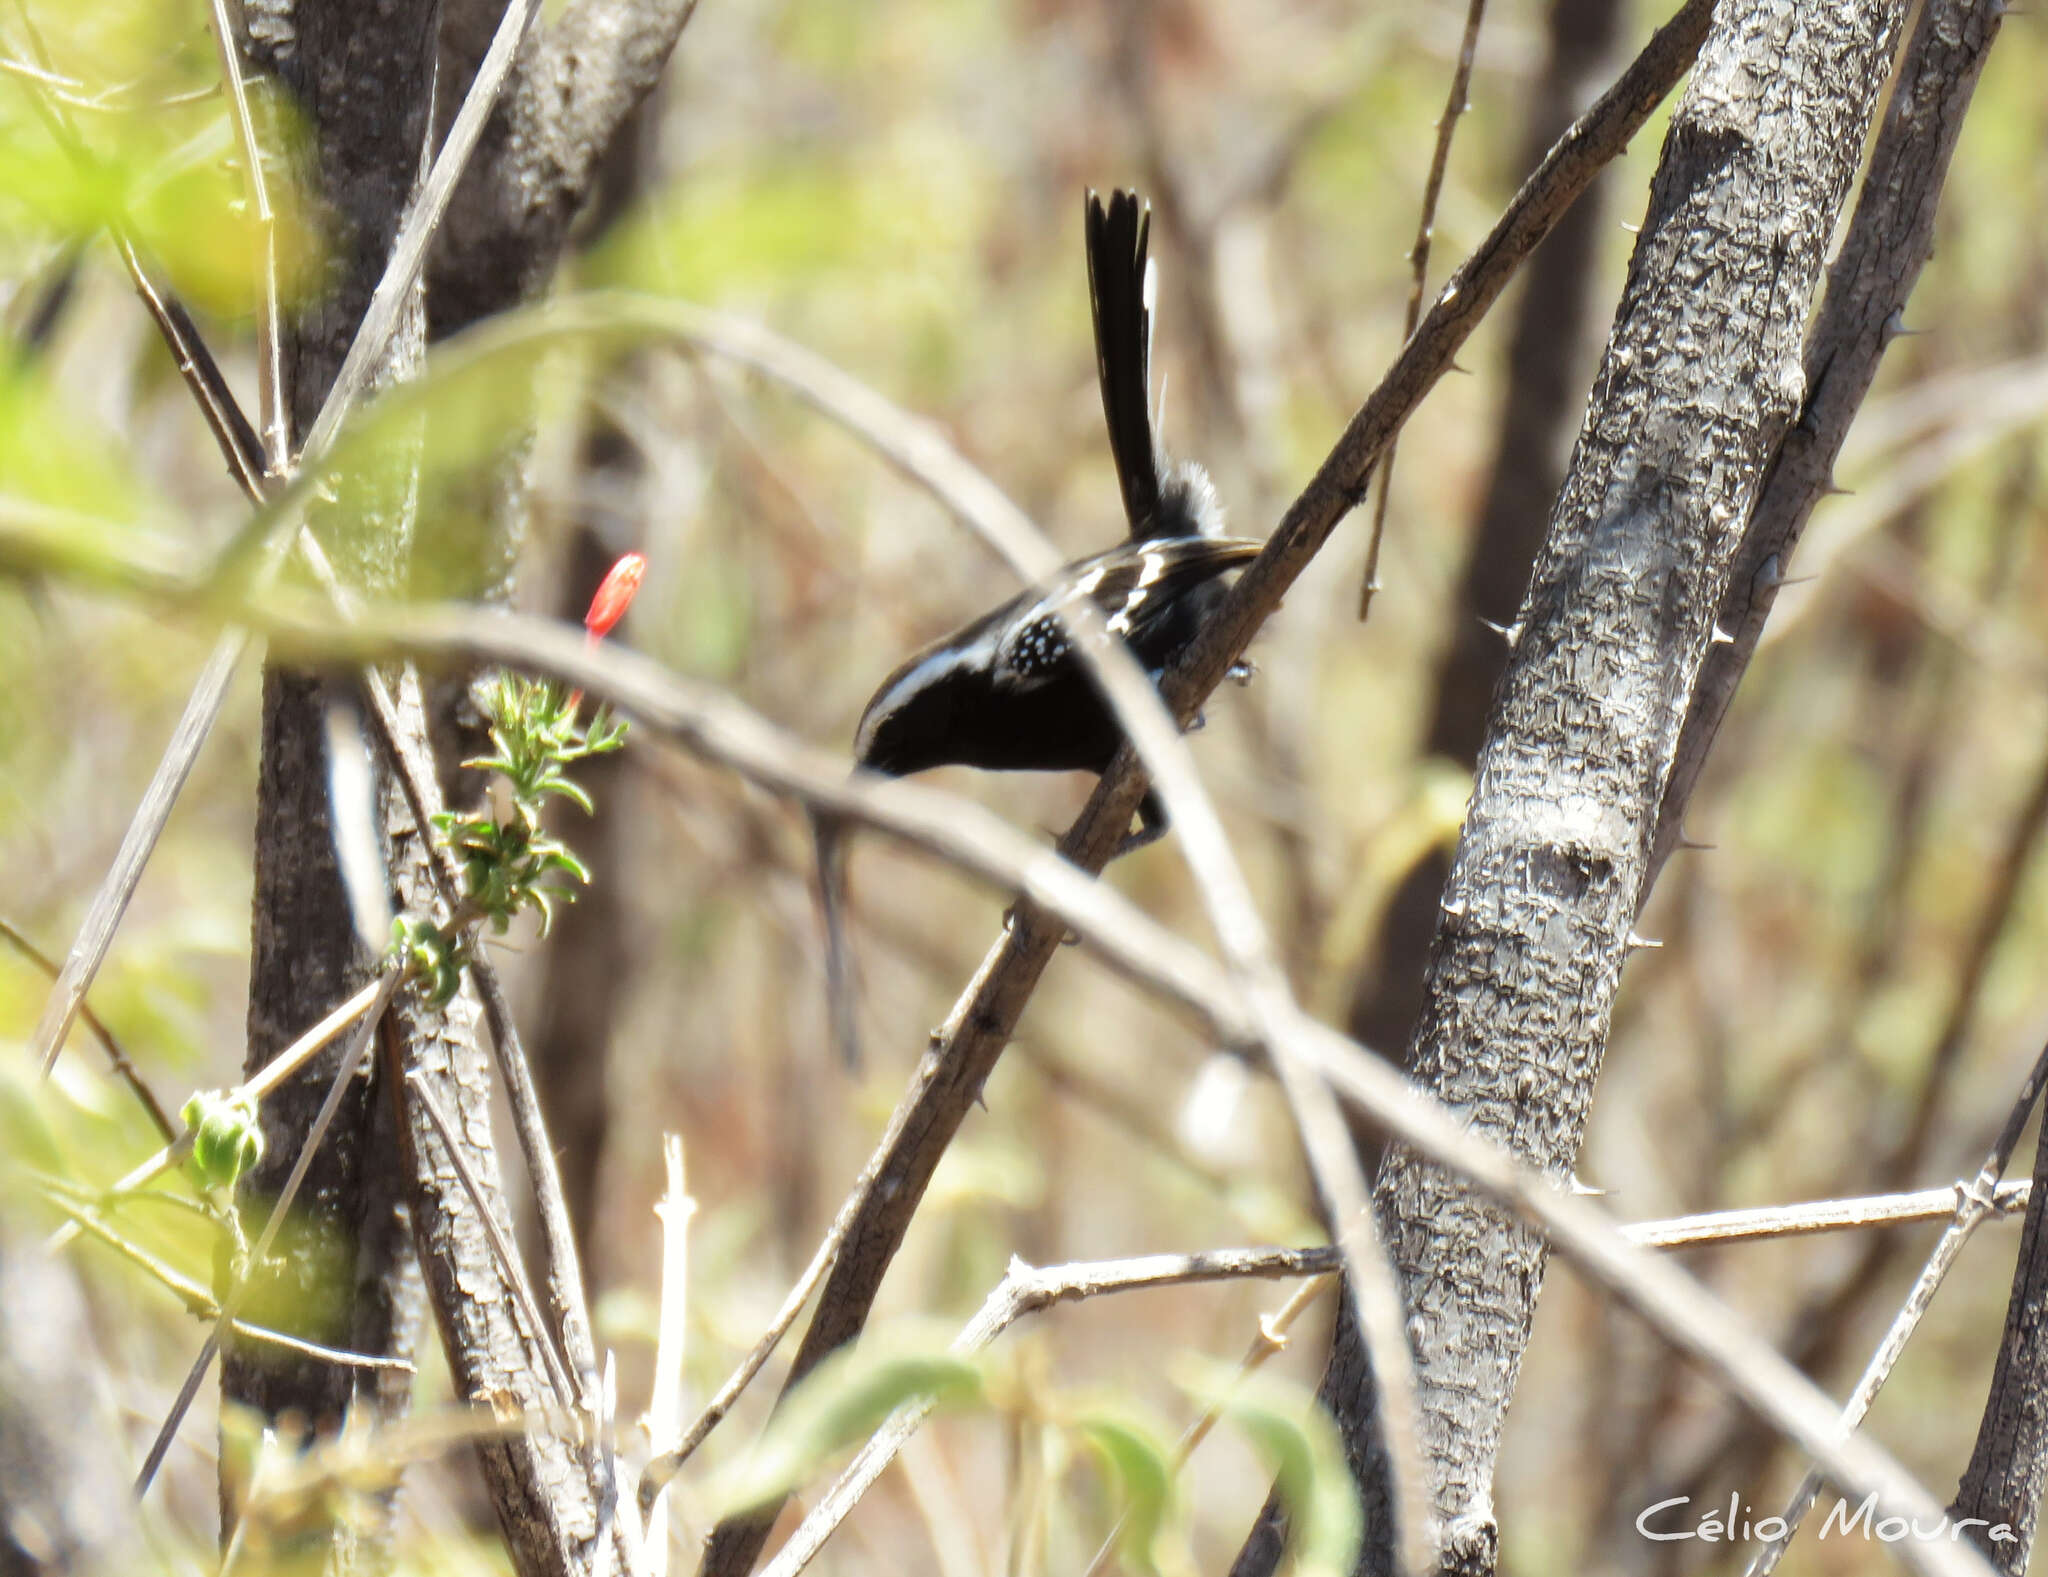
{"x":1134,"y":586}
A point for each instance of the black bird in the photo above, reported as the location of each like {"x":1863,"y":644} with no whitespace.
{"x":1008,"y":692}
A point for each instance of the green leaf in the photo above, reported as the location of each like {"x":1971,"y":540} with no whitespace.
{"x":842,"y":1401}
{"x":1142,"y":1463}
{"x":1299,"y":1439}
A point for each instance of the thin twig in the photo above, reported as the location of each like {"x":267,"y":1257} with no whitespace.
{"x":1270,"y":1340}
{"x":409,"y":251}
{"x":713,"y":725}
{"x":1827,"y":1215}
{"x":661,"y":1471}
{"x":1418,"y":260}
{"x":123,"y":1065}
{"x":269,"y":320}
{"x":254,"y":1089}
{"x":197,"y":1299}
{"x":918,"y":449}
{"x":1973,"y":1204}
{"x":278,"y":520}
{"x":1024,"y":1290}
{"x":954,"y":1071}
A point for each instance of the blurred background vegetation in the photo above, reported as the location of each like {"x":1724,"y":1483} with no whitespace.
{"x":1849,"y":989}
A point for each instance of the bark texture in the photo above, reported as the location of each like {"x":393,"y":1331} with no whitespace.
{"x":362,"y":75}
{"x":1701,"y":379}
{"x":577,"y":82}
{"x":1888,"y":243}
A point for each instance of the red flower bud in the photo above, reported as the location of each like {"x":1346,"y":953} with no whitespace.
{"x":615,"y":595}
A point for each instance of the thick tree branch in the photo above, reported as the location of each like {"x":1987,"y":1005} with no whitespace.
{"x":1889,"y":240}
{"x":577,"y":82}
{"x":1701,"y":379}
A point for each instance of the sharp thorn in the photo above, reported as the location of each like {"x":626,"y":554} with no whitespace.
{"x":1585,"y":1190}
{"x":1639,"y":943}
{"x":1722,"y":637}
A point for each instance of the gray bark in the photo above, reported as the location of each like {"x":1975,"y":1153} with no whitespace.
{"x":1888,"y":243}
{"x":1701,"y":379}
{"x":577,"y":82}
{"x":362,"y":75}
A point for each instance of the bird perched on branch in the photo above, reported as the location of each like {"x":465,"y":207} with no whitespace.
{"x":1009,"y":692}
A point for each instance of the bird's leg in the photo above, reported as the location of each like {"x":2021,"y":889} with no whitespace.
{"x":1152,"y":825}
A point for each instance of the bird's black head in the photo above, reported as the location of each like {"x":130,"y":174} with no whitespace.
{"x":910,"y":724}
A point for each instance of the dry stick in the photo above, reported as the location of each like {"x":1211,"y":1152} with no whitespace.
{"x":1828,"y":1215}
{"x":571,"y":1325}
{"x":116,"y":1054}
{"x":232,"y":431}
{"x":269,"y":320}
{"x":198,"y":1300}
{"x":202,"y":710}
{"x":508,"y":1259}
{"x":662,"y":1469}
{"x":714,"y":725}
{"x":663,"y":1420}
{"x":1900,"y":1155}
{"x":1974,"y":1203}
{"x":720,"y":729}
{"x":1333,"y":1160}
{"x":345,"y":1069}
{"x":1156,"y":738}
{"x":988,"y":1010}
{"x":1027,"y":1290}
{"x":1418,"y":257}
